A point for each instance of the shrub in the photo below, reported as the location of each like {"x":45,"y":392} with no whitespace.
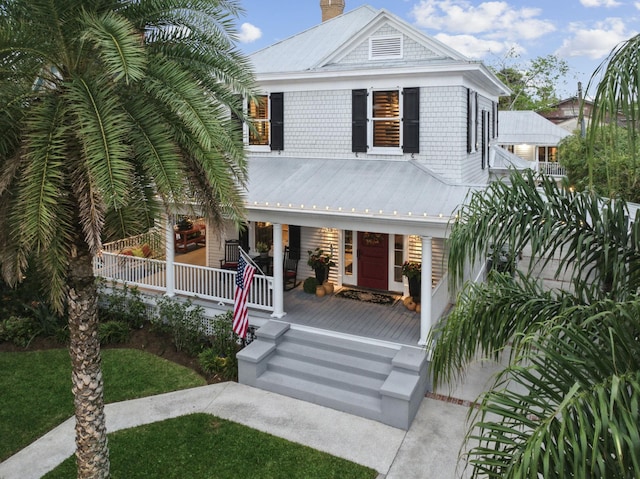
{"x":19,"y":330}
{"x":184,"y":321}
{"x":113,"y":332}
{"x":310,"y":284}
{"x":220,"y":358}
{"x":121,"y":304}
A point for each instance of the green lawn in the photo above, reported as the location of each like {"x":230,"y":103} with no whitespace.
{"x":35,"y":396}
{"x":35,"y":388}
{"x":203,"y":446}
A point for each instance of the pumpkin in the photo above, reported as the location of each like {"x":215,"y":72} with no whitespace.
{"x":320,"y":292}
{"x":418,"y":308}
{"x":328,"y":287}
{"x":411,"y":305}
{"x":407,"y":300}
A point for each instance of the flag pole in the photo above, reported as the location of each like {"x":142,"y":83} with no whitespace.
{"x":248,"y":259}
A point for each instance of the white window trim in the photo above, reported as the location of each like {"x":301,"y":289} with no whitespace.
{"x":245,"y":129}
{"x":383,"y":150}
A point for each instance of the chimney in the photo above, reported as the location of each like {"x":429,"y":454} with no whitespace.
{"x":331,"y":9}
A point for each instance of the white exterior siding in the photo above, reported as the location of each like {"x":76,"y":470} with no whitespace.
{"x":317,"y":123}
{"x":443,"y":130}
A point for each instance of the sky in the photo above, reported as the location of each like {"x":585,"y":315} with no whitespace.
{"x":581,"y":32}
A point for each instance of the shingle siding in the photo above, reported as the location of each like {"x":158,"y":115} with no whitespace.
{"x":318,"y":124}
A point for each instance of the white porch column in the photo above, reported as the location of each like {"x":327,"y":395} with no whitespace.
{"x":340,"y":261}
{"x":169,"y":253}
{"x":426,"y":290}
{"x":278,"y":277}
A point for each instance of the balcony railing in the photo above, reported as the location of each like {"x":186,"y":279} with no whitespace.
{"x":551,"y":168}
{"x":195,"y":281}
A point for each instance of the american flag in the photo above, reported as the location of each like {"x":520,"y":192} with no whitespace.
{"x":243,"y":282}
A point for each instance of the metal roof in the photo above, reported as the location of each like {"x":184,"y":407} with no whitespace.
{"x":352,"y":187}
{"x":501,"y":159}
{"x":305,"y":50}
{"x":528,"y":127}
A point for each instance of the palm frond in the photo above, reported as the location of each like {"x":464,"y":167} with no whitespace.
{"x":118,"y":45}
{"x":489,"y":318}
{"x":569,"y":406}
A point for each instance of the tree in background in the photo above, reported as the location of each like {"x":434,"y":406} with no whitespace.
{"x":109,"y":111}
{"x":533,"y":84}
{"x":606,"y":165}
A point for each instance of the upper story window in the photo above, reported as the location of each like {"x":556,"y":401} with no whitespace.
{"x":267,"y":118}
{"x":386,"y":121}
{"x":259,"y":114}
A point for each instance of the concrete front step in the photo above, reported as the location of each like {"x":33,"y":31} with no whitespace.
{"x":336,"y":376}
{"x":379,"y":367}
{"x":336,"y":398}
{"x":378,"y":382}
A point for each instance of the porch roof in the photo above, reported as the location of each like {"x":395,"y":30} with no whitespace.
{"x":387,"y":194}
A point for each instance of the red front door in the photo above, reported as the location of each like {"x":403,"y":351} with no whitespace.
{"x":373,"y":260}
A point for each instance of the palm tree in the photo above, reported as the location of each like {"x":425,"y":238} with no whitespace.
{"x":110,"y":110}
{"x":567,"y":403}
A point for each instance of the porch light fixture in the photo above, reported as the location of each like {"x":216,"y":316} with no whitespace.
{"x":301,"y":206}
{"x":366,"y":210}
{"x":440,"y":215}
{"x":339,"y":208}
{"x":353,"y":210}
{"x":289,"y":205}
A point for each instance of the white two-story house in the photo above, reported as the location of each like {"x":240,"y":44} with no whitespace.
{"x":368,"y":137}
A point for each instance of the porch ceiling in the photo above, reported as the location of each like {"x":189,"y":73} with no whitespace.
{"x":383,"y":194}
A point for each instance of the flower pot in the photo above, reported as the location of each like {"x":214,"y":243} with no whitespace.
{"x":414,"y":288}
{"x":321,"y":275}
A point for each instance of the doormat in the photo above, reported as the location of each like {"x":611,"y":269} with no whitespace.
{"x":367,"y":296}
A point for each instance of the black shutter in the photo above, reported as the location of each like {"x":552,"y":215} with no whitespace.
{"x":485,"y":137}
{"x":411,"y":120}
{"x":359,"y":121}
{"x":244,"y":237}
{"x":294,"y":242}
{"x":277,"y":121}
{"x":469,"y":122}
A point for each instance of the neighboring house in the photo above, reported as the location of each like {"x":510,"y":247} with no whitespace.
{"x":531,"y":137}
{"x":566,"y":113}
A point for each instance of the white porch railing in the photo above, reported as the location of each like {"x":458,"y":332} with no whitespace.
{"x":552,"y":168}
{"x":195,"y":281}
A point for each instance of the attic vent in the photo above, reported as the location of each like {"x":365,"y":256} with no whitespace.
{"x":383,"y":48}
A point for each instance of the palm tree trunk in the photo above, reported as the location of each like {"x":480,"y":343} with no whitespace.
{"x":92,"y":453}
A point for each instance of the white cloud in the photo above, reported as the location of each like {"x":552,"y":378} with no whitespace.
{"x":496,"y":20}
{"x":594,"y":43}
{"x":249,"y":33}
{"x":637,"y":5}
{"x":600,"y":3}
{"x":474,"y":47}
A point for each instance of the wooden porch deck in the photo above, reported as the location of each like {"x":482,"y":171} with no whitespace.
{"x":392,"y":323}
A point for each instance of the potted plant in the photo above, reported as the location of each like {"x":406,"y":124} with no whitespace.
{"x":320,"y":262}
{"x":413,"y":271}
{"x":263,"y":249}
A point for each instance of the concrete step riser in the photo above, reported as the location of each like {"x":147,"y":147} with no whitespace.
{"x":321,"y":375}
{"x":378,"y":369}
{"x":329,"y":397}
{"x":341,"y":346}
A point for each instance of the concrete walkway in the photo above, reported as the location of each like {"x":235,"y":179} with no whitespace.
{"x":428,"y":450}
